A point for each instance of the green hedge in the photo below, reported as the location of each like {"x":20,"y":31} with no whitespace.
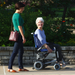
{"x":52,"y":26}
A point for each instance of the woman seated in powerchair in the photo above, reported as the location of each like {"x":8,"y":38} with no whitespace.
{"x":41,"y":40}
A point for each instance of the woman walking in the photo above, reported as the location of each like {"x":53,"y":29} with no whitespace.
{"x":18,"y":22}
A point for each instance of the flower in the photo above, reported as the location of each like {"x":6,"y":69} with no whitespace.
{"x":63,"y":21}
{"x":24,"y":3}
{"x":4,"y":3}
{"x":28,"y":4}
{"x":1,"y":5}
{"x":71,"y":24}
{"x":58,"y":27}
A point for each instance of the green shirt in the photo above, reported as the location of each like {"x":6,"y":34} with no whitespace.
{"x":17,"y":21}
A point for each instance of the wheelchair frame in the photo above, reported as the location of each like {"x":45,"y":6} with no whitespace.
{"x":41,"y":63}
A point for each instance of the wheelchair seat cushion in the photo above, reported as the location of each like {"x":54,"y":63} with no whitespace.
{"x":43,"y":50}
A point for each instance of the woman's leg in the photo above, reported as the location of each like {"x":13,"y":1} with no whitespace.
{"x":58,"y":49}
{"x":20,"y":56}
{"x":14,"y":53}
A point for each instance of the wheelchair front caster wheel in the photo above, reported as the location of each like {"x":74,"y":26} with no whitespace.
{"x":38,"y":65}
{"x":56,"y":66}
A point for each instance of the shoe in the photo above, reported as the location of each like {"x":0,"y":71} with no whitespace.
{"x":23,"y":70}
{"x":60,"y":63}
{"x":10,"y":70}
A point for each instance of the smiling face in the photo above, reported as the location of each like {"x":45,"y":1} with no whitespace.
{"x":40,"y":24}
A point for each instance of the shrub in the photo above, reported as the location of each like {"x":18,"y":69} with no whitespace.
{"x":5,"y":25}
{"x":54,"y":31}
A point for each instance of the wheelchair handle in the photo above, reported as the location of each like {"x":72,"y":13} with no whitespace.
{"x":32,"y":33}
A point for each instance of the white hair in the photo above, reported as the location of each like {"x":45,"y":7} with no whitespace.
{"x":39,"y":18}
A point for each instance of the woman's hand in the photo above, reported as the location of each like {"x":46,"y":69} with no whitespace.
{"x":21,"y":31}
{"x":24,"y":40}
{"x":49,"y":50}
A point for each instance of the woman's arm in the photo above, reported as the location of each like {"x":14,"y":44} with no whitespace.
{"x":48,"y":48}
{"x":43,"y":40}
{"x":21,"y":31}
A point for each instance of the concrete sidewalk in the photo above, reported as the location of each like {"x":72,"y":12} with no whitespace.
{"x":68,"y":70}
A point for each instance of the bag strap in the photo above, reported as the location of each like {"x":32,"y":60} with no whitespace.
{"x":11,"y":26}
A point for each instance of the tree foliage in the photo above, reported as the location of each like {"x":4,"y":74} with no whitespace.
{"x":59,"y":22}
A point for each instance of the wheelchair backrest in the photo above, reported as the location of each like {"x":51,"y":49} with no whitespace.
{"x":36,"y":43}
{"x":35,"y":40}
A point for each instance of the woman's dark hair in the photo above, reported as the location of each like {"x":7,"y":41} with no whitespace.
{"x":18,"y":5}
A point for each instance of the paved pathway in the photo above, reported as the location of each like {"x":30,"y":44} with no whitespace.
{"x":68,"y":70}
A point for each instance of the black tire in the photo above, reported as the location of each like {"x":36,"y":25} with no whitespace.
{"x":38,"y":65}
{"x":56,"y":66}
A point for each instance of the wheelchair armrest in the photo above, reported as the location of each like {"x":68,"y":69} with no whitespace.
{"x":39,"y":48}
{"x":42,"y":47}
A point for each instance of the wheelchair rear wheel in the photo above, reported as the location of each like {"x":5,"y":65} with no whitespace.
{"x":38,"y":65}
{"x":56,"y":66}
